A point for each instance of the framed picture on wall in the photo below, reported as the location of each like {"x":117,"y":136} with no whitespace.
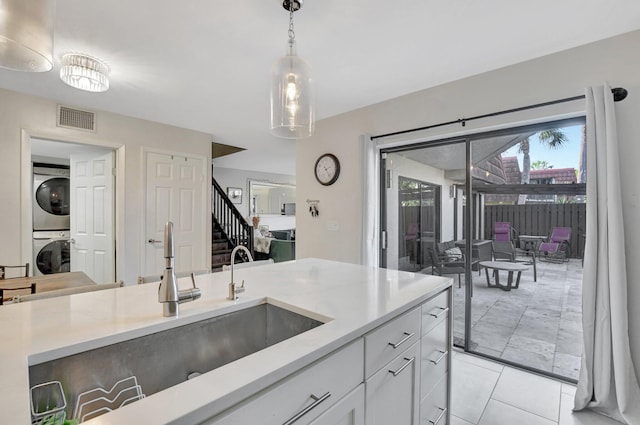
{"x":235,"y":194}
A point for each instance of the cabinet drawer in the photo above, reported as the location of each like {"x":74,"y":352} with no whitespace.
{"x":435,"y":311}
{"x":320,"y":385}
{"x":392,"y":394}
{"x":389,"y":340}
{"x":434,"y":409}
{"x":435,"y":357}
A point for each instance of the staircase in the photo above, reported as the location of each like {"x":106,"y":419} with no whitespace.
{"x":221,"y":247}
{"x":229,"y":229}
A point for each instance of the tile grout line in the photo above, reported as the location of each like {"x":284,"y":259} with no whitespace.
{"x":520,"y":408}
{"x":490,"y":396}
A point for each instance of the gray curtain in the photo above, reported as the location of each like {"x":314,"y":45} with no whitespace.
{"x":607,"y":381}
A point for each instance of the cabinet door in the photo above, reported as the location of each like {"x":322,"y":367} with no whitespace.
{"x":392,"y":394}
{"x":348,"y":411}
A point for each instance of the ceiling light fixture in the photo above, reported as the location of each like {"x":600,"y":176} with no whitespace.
{"x":26,"y":35}
{"x":292,"y":99}
{"x":84,"y":72}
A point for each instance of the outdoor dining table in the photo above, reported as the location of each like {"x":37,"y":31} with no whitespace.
{"x":507,"y":266}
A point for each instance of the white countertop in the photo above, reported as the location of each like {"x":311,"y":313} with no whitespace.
{"x":354,"y":298}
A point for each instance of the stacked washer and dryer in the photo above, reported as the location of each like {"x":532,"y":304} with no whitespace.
{"x":51,"y":212}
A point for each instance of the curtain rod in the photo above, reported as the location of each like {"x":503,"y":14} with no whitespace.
{"x":619,"y":94}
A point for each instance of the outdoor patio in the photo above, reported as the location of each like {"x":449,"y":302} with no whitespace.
{"x":538,"y":325}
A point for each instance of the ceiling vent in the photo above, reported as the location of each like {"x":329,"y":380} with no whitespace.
{"x":76,"y":119}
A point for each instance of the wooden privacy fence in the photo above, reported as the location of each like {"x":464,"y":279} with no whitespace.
{"x":539,"y":219}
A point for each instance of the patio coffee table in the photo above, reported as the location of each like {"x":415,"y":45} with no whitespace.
{"x":507,"y":266}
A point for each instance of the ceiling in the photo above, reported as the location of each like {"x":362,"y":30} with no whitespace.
{"x":204,"y":64}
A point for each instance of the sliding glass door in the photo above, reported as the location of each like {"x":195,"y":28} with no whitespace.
{"x":418,"y":222}
{"x":505,"y":220}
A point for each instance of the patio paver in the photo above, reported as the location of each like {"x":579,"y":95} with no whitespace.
{"x":538,"y":325}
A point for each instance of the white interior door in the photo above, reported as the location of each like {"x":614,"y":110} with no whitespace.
{"x":175,"y":191}
{"x":92,"y":215}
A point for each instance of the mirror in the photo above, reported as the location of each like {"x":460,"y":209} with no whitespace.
{"x":271,"y":198}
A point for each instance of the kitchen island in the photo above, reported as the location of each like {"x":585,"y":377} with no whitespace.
{"x":352,"y":301}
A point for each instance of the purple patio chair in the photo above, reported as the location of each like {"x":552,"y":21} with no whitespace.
{"x":558,"y":247}
{"x":502,"y":231}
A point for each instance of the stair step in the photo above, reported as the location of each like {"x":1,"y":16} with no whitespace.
{"x":220,"y":259}
{"x":219,"y":246}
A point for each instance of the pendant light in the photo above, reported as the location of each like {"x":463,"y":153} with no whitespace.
{"x":292,"y":99}
{"x":26,"y":35}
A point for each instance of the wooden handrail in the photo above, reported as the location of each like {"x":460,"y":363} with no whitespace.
{"x":234,"y":226}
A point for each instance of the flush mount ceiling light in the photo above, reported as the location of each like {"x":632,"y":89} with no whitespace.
{"x":292,"y":108}
{"x":26,"y":35}
{"x":84,"y":72}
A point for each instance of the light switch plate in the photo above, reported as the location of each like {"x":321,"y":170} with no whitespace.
{"x":333,"y":226}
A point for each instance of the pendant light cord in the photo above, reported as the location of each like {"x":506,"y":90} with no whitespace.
{"x":292,"y":34}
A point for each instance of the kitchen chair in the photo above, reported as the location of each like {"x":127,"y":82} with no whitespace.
{"x":67,"y":291}
{"x":3,"y":270}
{"x":3,"y":276}
{"x":158,"y":278}
{"x":247,"y":264}
{"x":31,"y":287}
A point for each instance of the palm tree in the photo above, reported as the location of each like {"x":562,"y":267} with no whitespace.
{"x":541,"y":165}
{"x":553,"y":138}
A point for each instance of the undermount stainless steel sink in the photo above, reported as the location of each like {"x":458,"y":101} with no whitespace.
{"x":166,"y":358}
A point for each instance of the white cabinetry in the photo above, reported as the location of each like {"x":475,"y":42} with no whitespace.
{"x":304,"y":396}
{"x":392,"y":371}
{"x":396,"y":374}
{"x":435,"y":362}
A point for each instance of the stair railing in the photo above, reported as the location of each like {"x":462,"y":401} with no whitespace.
{"x":235,"y":228}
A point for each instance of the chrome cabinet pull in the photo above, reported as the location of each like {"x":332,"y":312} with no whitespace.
{"x":443,"y":310}
{"x":316,"y":402}
{"x":153,"y":241}
{"x":403,"y":367}
{"x":403,"y":340}
{"x":442,"y":356}
{"x":440,"y":416}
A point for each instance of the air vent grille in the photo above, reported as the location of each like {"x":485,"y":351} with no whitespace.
{"x":76,"y":119}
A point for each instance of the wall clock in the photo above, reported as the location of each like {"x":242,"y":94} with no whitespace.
{"x":327,"y":169}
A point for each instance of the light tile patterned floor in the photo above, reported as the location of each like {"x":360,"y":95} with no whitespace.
{"x":538,"y":325}
{"x":488,"y":393}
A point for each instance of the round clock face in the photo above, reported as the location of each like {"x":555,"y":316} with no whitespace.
{"x":327,"y":169}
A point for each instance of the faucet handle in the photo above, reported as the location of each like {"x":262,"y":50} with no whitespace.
{"x":193,"y":280}
{"x":234,"y":290}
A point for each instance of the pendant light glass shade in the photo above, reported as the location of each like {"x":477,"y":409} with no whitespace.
{"x":26,"y":34}
{"x":84,"y":73}
{"x":292,"y":97}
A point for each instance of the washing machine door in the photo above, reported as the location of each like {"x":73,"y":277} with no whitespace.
{"x":54,"y":257}
{"x":52,"y":198}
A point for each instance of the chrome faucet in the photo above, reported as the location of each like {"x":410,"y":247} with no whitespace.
{"x":168,"y":294}
{"x":234,"y":289}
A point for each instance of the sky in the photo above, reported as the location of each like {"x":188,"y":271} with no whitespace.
{"x":566,"y":156}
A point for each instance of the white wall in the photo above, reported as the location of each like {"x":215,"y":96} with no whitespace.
{"x":231,"y":177}
{"x":556,"y":76}
{"x":37,"y":116}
